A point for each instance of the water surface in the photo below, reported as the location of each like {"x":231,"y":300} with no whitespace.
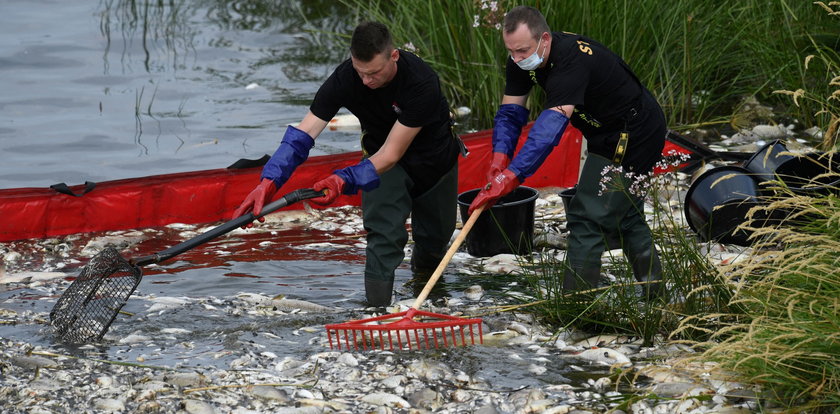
{"x":96,"y":91}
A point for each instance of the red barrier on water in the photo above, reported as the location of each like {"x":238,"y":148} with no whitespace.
{"x":212,"y":195}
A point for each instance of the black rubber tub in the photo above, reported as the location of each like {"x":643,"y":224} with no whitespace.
{"x":813,"y":173}
{"x":763,"y":164}
{"x":717,"y":202}
{"x":508,"y":227}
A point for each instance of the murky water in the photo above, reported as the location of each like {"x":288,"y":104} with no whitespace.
{"x":209,"y":306}
{"x":95,"y":91}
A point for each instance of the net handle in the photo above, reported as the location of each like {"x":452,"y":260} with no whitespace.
{"x":448,"y":256}
{"x":290,"y":198}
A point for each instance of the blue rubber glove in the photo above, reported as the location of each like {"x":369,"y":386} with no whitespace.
{"x":293,"y":150}
{"x":499,"y":187}
{"x":507,"y":125}
{"x":361,"y":176}
{"x":544,"y":136}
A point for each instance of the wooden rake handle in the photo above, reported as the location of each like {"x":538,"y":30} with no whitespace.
{"x":447,"y":257}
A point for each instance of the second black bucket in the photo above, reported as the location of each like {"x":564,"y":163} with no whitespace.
{"x":763,"y":164}
{"x":508,"y":227}
{"x":719,"y":200}
{"x":812,"y":173}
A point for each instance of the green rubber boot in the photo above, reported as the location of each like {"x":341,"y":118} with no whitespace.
{"x":378,"y":292}
{"x":576,"y":277}
{"x":647,"y":268}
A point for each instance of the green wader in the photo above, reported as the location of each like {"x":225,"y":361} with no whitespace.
{"x":385,"y":211}
{"x":593,"y":218}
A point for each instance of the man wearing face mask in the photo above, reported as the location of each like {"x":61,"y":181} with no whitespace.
{"x":592,"y":88}
{"x":410,"y":156}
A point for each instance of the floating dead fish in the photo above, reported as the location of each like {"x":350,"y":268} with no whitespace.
{"x":117,"y":241}
{"x":386,"y":399}
{"x":502,"y":264}
{"x":134,"y":339}
{"x":163,"y":303}
{"x":283,"y":304}
{"x":28,"y":277}
{"x":605,"y":356}
{"x":474,"y":292}
{"x":288,"y":305}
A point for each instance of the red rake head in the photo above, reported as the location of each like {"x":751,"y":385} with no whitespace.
{"x":373,"y":333}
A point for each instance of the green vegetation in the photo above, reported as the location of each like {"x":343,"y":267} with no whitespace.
{"x":695,"y":284}
{"x":699,"y":57}
{"x":785,"y":335}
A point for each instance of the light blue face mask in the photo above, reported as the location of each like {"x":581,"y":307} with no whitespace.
{"x":531,"y":62}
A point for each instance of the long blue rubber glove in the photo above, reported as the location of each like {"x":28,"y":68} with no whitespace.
{"x":293,"y":150}
{"x":507,"y":125}
{"x":544,"y":136}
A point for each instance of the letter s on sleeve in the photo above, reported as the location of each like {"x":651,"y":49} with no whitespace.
{"x":584,"y":47}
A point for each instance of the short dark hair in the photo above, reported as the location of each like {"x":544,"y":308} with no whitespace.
{"x":370,"y":39}
{"x":528,"y":15}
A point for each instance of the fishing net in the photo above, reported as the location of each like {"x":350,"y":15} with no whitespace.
{"x":86,"y":309}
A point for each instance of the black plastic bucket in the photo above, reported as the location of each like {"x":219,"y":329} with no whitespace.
{"x":717,"y":202}
{"x":763,"y":164}
{"x":508,"y":227}
{"x":811,"y":174}
{"x":807,"y":174}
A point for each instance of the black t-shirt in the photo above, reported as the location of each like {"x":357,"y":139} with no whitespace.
{"x":414,"y":98}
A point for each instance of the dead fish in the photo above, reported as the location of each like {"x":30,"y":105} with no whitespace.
{"x":166,"y":302}
{"x":474,"y":292}
{"x":605,"y":356}
{"x":289,"y":305}
{"x":386,"y":399}
{"x":119,"y":242}
{"x":502,"y":264}
{"x":291,"y":217}
{"x":283,"y":304}
{"x":28,"y":277}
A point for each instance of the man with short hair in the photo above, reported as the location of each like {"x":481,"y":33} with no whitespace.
{"x":592,"y":88}
{"x":409,"y":164}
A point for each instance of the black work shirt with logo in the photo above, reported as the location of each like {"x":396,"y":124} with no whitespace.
{"x":414,"y":98}
{"x":586,"y":74}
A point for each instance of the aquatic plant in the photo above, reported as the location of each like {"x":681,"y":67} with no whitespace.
{"x":698,"y":58}
{"x":782,"y":332}
{"x":785,"y":334}
{"x":825,"y":60}
{"x":694,"y":284}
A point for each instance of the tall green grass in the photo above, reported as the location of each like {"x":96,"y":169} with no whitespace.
{"x":786,"y":333}
{"x":699,"y":57}
{"x":694,"y":285}
{"x":822,"y":65}
{"x":786,"y":336}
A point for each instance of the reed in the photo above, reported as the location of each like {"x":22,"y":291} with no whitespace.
{"x":694,"y":285}
{"x":786,"y":337}
{"x":699,"y":58}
